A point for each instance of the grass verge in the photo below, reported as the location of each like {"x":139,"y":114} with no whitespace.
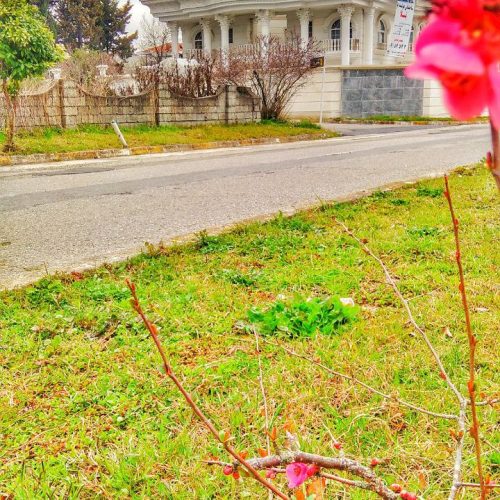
{"x":86,"y":413}
{"x":86,"y":138}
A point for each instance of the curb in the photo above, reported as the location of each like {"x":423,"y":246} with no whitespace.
{"x":7,"y":161}
{"x":444,"y":123}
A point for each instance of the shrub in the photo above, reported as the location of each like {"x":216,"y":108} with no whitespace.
{"x":302,"y":318}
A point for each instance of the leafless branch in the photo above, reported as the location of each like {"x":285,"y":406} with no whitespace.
{"x":275,"y":463}
{"x":490,"y":486}
{"x":224,"y":440}
{"x":263,"y":391}
{"x":361,"y":383}
{"x":353,"y":467}
{"x":471,"y":384}
{"x":457,"y":467}
{"x":494,"y":158}
{"x":416,"y":326}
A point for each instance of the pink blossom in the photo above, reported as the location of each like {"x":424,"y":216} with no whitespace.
{"x":460,"y":48}
{"x":296,"y":474}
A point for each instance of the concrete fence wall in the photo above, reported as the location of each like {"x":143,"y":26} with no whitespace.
{"x":361,"y":92}
{"x":65,"y":104}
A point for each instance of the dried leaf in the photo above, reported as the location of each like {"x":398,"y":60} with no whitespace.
{"x":317,"y":488}
{"x":422,"y":480}
{"x":299,"y":495}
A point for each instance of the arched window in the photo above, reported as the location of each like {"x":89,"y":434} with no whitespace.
{"x":382,"y":32}
{"x":198,"y":40}
{"x":335,"y":32}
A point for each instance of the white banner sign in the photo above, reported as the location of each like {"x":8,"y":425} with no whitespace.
{"x":401,"y":32}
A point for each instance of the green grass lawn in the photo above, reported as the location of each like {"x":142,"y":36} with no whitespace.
{"x":86,"y":412}
{"x":54,"y":140}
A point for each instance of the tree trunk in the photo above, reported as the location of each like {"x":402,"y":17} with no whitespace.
{"x":10,"y":119}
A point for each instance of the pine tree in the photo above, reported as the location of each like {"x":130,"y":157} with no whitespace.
{"x":112,"y":29}
{"x":78,"y":22}
{"x":46,"y":8}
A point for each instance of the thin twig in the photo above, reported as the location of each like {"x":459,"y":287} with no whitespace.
{"x":264,"y":398}
{"x":363,"y":384}
{"x":263,"y":391}
{"x":476,"y":485}
{"x":224,"y":440}
{"x":416,"y":326}
{"x":457,"y":467}
{"x":356,"y":484}
{"x":488,"y":402}
{"x":494,"y":160}
{"x":471,"y":384}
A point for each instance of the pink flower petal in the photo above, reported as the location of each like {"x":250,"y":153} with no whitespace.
{"x":438,"y":31}
{"x":494,"y":102}
{"x":421,"y":71}
{"x":453,"y":58}
{"x":296,"y":474}
{"x":468,"y":105}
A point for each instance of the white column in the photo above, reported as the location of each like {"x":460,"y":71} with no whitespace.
{"x":304,"y":16}
{"x":224,"y":32}
{"x":358,"y":29}
{"x":368,"y":26}
{"x":207,"y":35}
{"x":264,"y":18}
{"x":174,"y":33}
{"x":345,"y":12}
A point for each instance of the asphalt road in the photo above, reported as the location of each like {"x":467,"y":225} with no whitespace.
{"x":62,"y":217}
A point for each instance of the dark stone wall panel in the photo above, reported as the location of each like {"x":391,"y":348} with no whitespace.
{"x":368,"y":92}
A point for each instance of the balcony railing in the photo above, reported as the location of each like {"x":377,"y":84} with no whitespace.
{"x":335,"y":45}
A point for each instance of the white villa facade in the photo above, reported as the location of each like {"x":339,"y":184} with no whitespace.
{"x":353,"y":35}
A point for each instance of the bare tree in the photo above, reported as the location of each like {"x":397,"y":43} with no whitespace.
{"x":155,"y":41}
{"x":274,"y":68}
{"x":278,"y":69}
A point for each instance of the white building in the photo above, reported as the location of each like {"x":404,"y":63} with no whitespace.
{"x":354,"y":35}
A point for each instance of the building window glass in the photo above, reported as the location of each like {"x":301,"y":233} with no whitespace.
{"x":310,"y":29}
{"x":335,"y":30}
{"x":382,"y":32}
{"x":198,"y":40}
{"x":231,"y":35}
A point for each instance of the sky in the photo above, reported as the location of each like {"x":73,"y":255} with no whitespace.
{"x":138,"y":12}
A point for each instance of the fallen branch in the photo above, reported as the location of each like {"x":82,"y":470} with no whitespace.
{"x":198,"y":412}
{"x":471,"y":384}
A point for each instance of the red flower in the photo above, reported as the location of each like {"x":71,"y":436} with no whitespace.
{"x":297,"y":474}
{"x":460,"y":47}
